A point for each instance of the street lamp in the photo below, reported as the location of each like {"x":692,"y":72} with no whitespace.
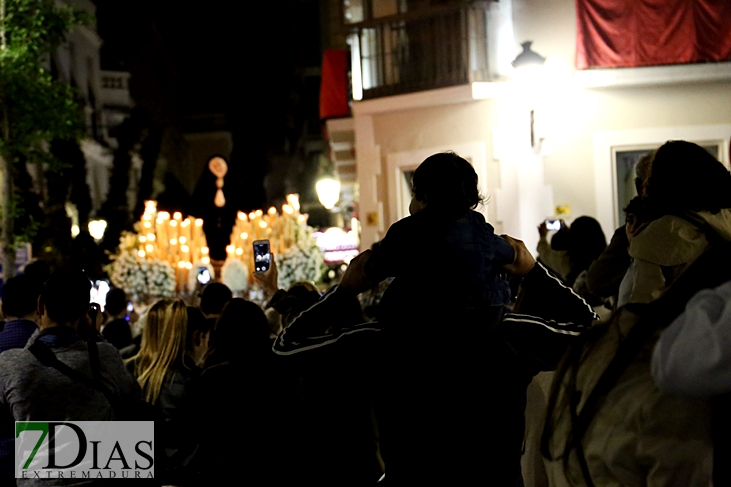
{"x":328,"y":192}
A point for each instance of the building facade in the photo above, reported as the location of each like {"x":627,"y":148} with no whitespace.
{"x":548,"y":142}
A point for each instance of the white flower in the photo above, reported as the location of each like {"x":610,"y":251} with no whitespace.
{"x":302,"y":262}
{"x":235,"y":275}
{"x":160,"y":277}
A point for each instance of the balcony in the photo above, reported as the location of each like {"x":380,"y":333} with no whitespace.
{"x":115,"y":89}
{"x":421,"y":50}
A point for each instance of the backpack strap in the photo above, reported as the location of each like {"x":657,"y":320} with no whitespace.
{"x":46,"y":357}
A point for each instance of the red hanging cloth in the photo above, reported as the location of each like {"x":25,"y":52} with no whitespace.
{"x":631,"y":33}
{"x":334,"y":84}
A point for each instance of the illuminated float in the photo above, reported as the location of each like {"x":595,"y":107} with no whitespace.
{"x":167,"y":253}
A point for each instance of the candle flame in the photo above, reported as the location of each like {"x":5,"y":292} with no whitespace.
{"x":198,"y":222}
{"x":241,"y":215}
{"x":301,"y":218}
{"x":181,"y":265}
{"x":287,"y":209}
{"x":151,"y":237}
{"x":263,"y":224}
{"x":259,"y":212}
{"x":173,"y":241}
{"x":185,"y":223}
{"x":183,"y":240}
{"x":177,"y":215}
{"x":204,"y":250}
{"x":143,"y":239}
{"x":230,"y":249}
{"x":244,"y":235}
{"x":294,"y":200}
{"x":150,"y":247}
{"x":252,"y":215}
{"x":141,"y":253}
{"x":173,"y":223}
{"x":205,"y":260}
{"x":188,"y":265}
{"x":184,"y":248}
{"x":150,"y":204}
{"x":163,"y":215}
{"x":239,"y":251}
{"x":272,"y":211}
{"x":148,"y":225}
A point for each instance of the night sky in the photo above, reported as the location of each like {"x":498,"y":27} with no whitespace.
{"x":236,"y":58}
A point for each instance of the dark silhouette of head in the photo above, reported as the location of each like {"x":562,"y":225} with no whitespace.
{"x":116,"y":302}
{"x":38,"y":270}
{"x":685,"y":177}
{"x":585,"y":243}
{"x":242,"y":332}
{"x":66,"y":296}
{"x":20,"y":296}
{"x":214,"y":297}
{"x":447,"y":183}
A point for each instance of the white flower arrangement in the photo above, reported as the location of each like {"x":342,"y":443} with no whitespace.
{"x":129,"y":274}
{"x":160,"y":279}
{"x":193,"y":275}
{"x":136,"y":276}
{"x":304,"y":261}
{"x":235,"y":274}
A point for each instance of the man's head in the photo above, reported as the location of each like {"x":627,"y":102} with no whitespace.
{"x":64,"y":299}
{"x":20,"y":298}
{"x":214,"y":297}
{"x":116,"y":302}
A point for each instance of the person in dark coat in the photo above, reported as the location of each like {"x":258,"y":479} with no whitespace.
{"x":246,"y":389}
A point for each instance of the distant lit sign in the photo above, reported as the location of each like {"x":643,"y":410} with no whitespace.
{"x":337,"y":245}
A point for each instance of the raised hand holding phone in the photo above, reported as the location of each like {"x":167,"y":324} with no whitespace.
{"x":262,"y":256}
{"x":267,"y":274}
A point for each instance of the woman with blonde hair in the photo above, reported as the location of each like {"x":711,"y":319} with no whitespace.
{"x":173,"y":343}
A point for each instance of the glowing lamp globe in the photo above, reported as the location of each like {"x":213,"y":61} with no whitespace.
{"x":328,"y":192}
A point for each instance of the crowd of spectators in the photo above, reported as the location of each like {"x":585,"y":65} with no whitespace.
{"x":428,"y":383}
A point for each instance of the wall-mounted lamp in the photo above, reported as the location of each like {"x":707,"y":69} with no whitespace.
{"x":528,"y":57}
{"x":328,"y":192}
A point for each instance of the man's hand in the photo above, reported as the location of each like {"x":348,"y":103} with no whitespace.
{"x":354,"y":279}
{"x":269,"y":279}
{"x":524,"y":261}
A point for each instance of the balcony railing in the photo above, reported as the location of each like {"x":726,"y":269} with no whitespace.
{"x":421,"y":50}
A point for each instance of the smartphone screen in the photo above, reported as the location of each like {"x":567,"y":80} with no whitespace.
{"x":262,"y":256}
{"x":554,"y":225}
{"x":204,"y":275}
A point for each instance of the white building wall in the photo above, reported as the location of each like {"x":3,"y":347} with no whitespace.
{"x":569,"y":114}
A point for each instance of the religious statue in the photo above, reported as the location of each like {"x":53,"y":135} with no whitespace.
{"x":215,"y":204}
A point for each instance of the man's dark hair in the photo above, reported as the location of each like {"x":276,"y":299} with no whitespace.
{"x":116,"y":301}
{"x":214,"y":297}
{"x":66,"y":295}
{"x":684,"y":176}
{"x":38,"y":270}
{"x":20,"y":296}
{"x":447,"y":183}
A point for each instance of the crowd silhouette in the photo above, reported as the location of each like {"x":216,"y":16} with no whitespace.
{"x":420,"y":366}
